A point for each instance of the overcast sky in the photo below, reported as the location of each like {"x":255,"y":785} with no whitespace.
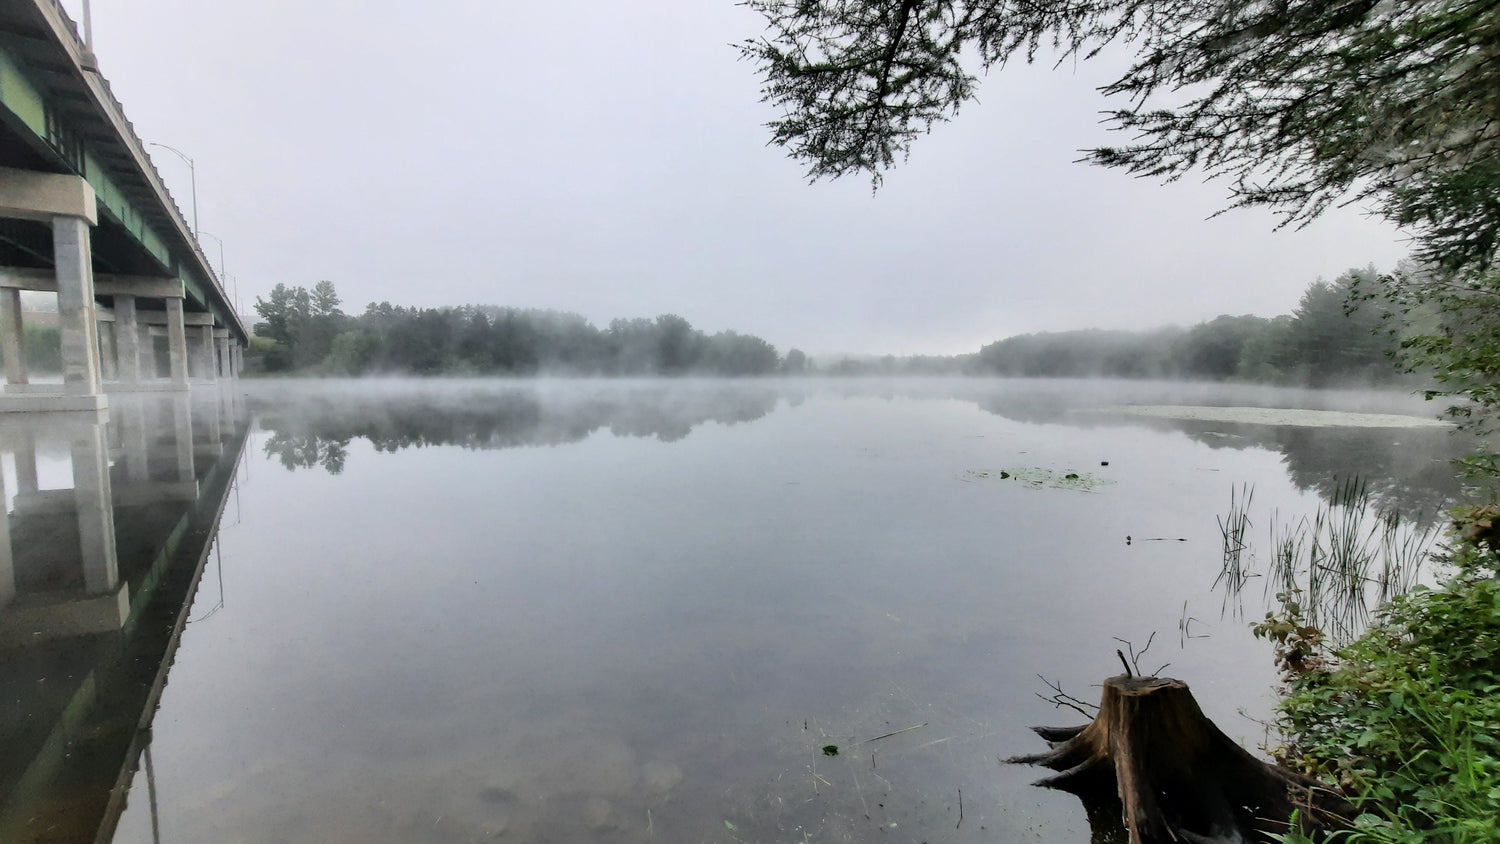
{"x":610,"y":158}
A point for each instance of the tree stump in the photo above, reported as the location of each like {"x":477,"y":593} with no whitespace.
{"x":1178,"y":776}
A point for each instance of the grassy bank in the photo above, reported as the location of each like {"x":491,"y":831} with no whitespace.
{"x":1405,"y":717}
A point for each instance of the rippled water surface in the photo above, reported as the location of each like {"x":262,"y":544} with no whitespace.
{"x":627,"y":611}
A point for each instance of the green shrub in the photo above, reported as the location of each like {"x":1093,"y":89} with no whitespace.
{"x":1406,"y":718}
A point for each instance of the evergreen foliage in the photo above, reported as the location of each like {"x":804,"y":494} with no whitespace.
{"x":1324,"y":342}
{"x":309,"y":332}
{"x":1298,"y":104}
{"x":1454,"y":336}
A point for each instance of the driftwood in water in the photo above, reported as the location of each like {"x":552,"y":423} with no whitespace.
{"x":1178,"y":777}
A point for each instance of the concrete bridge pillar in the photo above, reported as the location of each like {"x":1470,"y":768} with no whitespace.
{"x":66,"y":203}
{"x":150,"y":367}
{"x":221,"y":342}
{"x":109,"y":357}
{"x":7,"y":556}
{"x":213,"y":424}
{"x":135,"y":433}
{"x":101,"y":601}
{"x":207,"y":367}
{"x":182,"y":430}
{"x":26,"y":477}
{"x":12,"y":335}
{"x":177,"y":354}
{"x":127,"y":340}
{"x":76,"y":318}
{"x":96,"y":513}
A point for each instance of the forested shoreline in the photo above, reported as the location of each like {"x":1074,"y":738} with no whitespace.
{"x":305,"y":331}
{"x":1331,"y":338}
{"x":1328,"y":340}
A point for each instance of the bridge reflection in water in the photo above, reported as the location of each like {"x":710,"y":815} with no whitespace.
{"x":110,"y":520}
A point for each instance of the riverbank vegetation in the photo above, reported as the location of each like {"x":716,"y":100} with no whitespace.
{"x":305,"y":331}
{"x":1331,"y":339}
{"x":1323,"y":342}
{"x":1405,"y":718}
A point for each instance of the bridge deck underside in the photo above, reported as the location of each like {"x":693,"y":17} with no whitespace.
{"x":67,"y":121}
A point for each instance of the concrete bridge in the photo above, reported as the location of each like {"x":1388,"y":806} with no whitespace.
{"x":84,"y":214}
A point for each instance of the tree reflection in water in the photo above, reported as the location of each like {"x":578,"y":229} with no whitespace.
{"x":314,"y":429}
{"x":1407,"y":470}
{"x":311,"y":426}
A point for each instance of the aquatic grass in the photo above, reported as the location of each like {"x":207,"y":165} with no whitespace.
{"x":1233,"y":528}
{"x":1348,"y":557}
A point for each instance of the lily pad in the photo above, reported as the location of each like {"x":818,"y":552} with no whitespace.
{"x":1036,"y":477}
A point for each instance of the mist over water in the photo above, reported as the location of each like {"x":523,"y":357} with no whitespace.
{"x":312,"y":423}
{"x":639,"y":610}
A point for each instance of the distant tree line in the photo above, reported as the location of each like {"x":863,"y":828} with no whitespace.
{"x":904,"y":365}
{"x":1336,"y":336}
{"x":1333,"y":337}
{"x":1329,"y":339}
{"x":305,"y":330}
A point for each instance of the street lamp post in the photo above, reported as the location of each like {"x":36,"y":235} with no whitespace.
{"x":192,"y":174}
{"x":224,"y":275}
{"x":221,"y":249}
{"x":234,"y":281}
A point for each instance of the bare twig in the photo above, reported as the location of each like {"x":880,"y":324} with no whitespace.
{"x":1149,"y":640}
{"x":1059,"y":698}
{"x":1135,"y":656}
{"x":896,"y":733}
{"x":1185,"y":627}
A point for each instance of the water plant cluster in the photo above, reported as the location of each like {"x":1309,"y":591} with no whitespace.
{"x":1354,"y":553}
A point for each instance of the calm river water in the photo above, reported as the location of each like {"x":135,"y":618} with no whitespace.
{"x":626,"y":611}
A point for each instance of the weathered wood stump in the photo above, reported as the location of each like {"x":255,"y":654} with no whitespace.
{"x":1177,"y":775}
